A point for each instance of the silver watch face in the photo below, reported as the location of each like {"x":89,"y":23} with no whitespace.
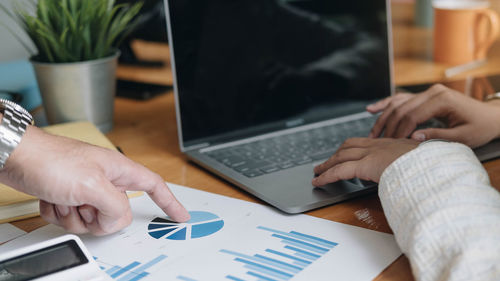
{"x":4,"y":104}
{"x":12,"y":127}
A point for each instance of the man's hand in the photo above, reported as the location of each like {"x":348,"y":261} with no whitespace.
{"x":469,"y":121}
{"x":362,"y":158}
{"x":82,"y":187}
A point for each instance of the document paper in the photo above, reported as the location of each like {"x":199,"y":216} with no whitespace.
{"x":231,"y":239}
{"x":9,"y":232}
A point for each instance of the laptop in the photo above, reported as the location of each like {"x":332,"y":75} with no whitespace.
{"x":267,"y":89}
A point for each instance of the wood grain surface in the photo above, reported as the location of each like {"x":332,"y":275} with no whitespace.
{"x":146,"y":131}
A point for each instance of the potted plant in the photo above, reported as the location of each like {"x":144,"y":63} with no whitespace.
{"x":77,"y":50}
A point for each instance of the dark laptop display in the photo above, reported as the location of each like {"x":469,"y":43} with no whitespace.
{"x":247,"y":67}
{"x":266,"y":89}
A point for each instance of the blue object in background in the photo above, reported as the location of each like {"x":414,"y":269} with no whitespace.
{"x":19,"y":76}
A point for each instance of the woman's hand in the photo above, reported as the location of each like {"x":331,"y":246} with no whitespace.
{"x":469,"y":121}
{"x":363,"y":158}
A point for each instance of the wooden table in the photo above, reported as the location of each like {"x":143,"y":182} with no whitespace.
{"x":147,"y":132}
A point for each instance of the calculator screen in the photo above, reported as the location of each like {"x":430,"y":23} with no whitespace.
{"x":42,"y":262}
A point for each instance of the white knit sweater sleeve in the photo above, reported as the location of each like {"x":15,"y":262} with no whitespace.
{"x":444,"y":213}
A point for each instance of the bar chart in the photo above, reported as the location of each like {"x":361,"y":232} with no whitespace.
{"x":298,"y":251}
{"x":200,"y":225}
{"x":132,"y":272}
{"x":184,"y":278}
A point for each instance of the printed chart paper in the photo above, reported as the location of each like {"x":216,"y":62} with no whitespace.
{"x":231,"y":239}
{"x":9,"y":232}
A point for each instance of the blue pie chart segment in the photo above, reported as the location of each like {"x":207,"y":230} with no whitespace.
{"x":201,"y":230}
{"x":200,"y":225}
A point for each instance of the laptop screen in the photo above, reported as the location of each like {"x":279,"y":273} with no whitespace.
{"x":247,"y":67}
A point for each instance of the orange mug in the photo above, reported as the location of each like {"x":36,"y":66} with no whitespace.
{"x":464,"y":30}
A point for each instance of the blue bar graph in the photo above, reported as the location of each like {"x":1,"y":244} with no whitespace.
{"x":299,"y":263}
{"x":304,"y":237}
{"x":184,"y":278}
{"x":261,"y":277}
{"x":230,"y":277}
{"x":299,"y":251}
{"x":303,"y":254}
{"x":302,"y":244}
{"x":113,"y":270}
{"x":278,"y":263}
{"x":265,"y":269}
{"x":151,"y":263}
{"x":288,"y":256}
{"x":124,"y":269}
{"x":267,"y":261}
{"x":139,"y":276}
{"x":320,"y":241}
{"x":141,"y":269}
{"x":133,"y":271}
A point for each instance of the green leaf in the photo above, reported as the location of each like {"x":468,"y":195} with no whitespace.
{"x":74,"y":30}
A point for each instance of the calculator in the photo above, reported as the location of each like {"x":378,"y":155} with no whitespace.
{"x":63,"y":258}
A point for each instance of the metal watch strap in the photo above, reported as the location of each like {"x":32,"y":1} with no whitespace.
{"x":12,"y":128}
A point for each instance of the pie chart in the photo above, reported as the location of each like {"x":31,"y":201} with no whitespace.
{"x":200,"y":225}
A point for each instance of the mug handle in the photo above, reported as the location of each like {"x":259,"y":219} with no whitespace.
{"x":483,"y":44}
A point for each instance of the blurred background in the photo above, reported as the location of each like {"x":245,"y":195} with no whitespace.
{"x":146,"y":49}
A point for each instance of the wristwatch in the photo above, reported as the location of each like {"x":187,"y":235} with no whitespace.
{"x":12,"y":128}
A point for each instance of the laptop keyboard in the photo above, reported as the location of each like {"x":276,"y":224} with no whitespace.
{"x":290,"y":150}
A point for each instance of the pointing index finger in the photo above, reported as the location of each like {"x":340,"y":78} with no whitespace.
{"x":163,"y":197}
{"x":133,"y":176}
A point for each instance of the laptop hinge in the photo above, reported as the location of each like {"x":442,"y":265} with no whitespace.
{"x":197,"y":146}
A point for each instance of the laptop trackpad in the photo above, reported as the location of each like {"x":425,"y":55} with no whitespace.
{"x":347,"y":186}
{"x":361,"y":182}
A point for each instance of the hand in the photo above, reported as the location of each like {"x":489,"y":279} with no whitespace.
{"x":469,"y":121}
{"x":362,"y":158}
{"x":82,"y":187}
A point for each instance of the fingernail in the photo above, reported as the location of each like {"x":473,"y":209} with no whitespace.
{"x":419,"y":137}
{"x":62,"y":210}
{"x":186,"y":217}
{"x":87,"y":215}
